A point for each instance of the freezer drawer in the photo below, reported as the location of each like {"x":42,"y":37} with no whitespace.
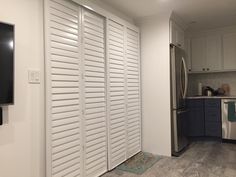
{"x":228,"y":127}
{"x":180,"y":127}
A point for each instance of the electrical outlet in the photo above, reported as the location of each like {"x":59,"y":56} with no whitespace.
{"x":34,"y":76}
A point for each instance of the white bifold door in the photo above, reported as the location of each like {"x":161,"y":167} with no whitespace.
{"x":76,"y":91}
{"x":124,"y":94}
{"x":93,"y":111}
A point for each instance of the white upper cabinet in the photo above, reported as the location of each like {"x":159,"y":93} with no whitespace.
{"x":172,"y":32}
{"x":206,"y":54}
{"x":198,"y":54}
{"x":213,"y":53}
{"x":229,"y":47}
{"x":176,"y":35}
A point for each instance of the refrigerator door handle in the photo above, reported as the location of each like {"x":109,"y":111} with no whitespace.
{"x":186,"y":78}
{"x":181,"y":79}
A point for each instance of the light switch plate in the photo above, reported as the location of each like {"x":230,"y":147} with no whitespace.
{"x":34,"y":76}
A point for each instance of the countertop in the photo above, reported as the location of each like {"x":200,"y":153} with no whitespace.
{"x":212,"y":97}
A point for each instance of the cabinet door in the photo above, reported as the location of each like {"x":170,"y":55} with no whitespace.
{"x":172,"y":33}
{"x":213,"y":117}
{"x":213,"y":53}
{"x":188,"y":54}
{"x":198,"y":48}
{"x":196,"y":121}
{"x":94,"y":91}
{"x":177,"y":35}
{"x":180,"y":37}
{"x":229,"y":47}
{"x":213,"y":129}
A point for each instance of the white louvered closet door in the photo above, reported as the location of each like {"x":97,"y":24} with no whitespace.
{"x":116,"y":94}
{"x":95,"y":128}
{"x":133,"y":93}
{"x":63,"y":89}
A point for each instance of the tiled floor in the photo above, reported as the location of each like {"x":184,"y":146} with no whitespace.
{"x":202,"y":159}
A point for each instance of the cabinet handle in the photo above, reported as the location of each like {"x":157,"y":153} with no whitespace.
{"x":189,"y":70}
{"x":203,"y":69}
{"x":208,"y":69}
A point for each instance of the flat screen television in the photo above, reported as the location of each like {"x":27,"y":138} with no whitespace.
{"x":6,"y":64}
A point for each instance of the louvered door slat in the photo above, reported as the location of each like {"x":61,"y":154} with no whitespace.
{"x":95,"y":136}
{"x":116,"y":94}
{"x":133,"y":93}
{"x":64,"y":109}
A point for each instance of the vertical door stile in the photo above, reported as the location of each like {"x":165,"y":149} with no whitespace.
{"x":82,"y":88}
{"x":140,"y":90}
{"x":105,"y":76}
{"x":48,"y":87}
{"x":126,"y":92}
{"x":81,"y":78}
{"x":108,"y":94}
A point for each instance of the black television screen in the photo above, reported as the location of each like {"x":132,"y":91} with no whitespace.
{"x":6,"y":64}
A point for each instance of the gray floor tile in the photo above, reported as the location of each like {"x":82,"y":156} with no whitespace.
{"x":202,"y":159}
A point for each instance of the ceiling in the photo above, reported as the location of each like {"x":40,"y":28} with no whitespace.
{"x":206,"y":13}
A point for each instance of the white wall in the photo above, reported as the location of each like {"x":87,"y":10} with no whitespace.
{"x":105,"y":6}
{"x":22,"y":137}
{"x":155,"y":56}
{"x":98,"y":5}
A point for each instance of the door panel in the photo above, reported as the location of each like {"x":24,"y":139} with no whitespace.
{"x":198,"y":47}
{"x":196,"y":122}
{"x":116,"y":94}
{"x":64,"y":111}
{"x":214,"y":55}
{"x":133,"y":93}
{"x":94,"y":90}
{"x":229,"y":47}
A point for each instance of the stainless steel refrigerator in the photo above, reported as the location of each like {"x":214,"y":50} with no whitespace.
{"x":179,"y":112}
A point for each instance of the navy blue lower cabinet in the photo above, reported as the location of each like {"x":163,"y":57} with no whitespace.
{"x":213,"y":115}
{"x":204,"y":117}
{"x":196,"y":121}
{"x":213,"y":129}
{"x":213,"y":125}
